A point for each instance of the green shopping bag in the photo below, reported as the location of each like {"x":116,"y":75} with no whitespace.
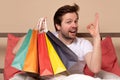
{"x":18,"y":61}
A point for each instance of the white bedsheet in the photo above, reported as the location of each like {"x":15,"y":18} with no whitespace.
{"x":103,"y":75}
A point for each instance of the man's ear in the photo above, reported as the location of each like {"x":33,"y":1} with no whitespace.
{"x":58,"y":27}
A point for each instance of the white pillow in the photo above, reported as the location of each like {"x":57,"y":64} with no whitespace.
{"x":21,"y":77}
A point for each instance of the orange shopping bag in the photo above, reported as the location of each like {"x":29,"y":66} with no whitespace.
{"x":31,"y":61}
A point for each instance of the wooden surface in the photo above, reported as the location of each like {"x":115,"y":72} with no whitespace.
{"x":78,"y":34}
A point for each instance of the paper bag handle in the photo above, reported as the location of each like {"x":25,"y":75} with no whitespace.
{"x":42,"y":25}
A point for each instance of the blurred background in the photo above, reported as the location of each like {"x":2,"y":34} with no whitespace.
{"x":20,"y":15}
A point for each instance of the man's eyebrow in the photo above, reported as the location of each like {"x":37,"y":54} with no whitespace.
{"x":69,"y":19}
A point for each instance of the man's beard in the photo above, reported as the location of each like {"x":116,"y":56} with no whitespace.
{"x":67,"y":37}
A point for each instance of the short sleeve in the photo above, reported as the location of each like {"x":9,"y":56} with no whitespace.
{"x":86,"y":46}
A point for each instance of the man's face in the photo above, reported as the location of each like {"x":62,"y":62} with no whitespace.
{"x":69,"y":26}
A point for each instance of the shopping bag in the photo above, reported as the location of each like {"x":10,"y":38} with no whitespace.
{"x":56,"y":62}
{"x":31,"y":60}
{"x":68,"y":57}
{"x":45,"y":67}
{"x":18,"y":61}
{"x":18,"y":45}
{"x":44,"y":61}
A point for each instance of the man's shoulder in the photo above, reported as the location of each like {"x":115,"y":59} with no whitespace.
{"x":81,"y":40}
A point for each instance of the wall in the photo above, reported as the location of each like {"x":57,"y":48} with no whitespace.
{"x":20,"y":15}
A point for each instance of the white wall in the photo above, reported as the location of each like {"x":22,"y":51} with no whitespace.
{"x":20,"y":15}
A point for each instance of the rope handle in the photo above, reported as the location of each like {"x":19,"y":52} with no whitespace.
{"x":42,"y":25}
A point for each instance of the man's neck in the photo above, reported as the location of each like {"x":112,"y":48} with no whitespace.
{"x":65,"y":40}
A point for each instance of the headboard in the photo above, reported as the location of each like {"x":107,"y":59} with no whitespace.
{"x":116,"y":35}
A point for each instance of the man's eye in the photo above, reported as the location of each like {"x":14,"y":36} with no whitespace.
{"x":69,"y":21}
{"x":76,"y":21}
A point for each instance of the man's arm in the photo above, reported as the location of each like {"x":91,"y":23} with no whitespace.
{"x":93,"y":59}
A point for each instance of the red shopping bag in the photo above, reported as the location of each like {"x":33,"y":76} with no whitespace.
{"x":56,"y":63}
{"x":44,"y":61}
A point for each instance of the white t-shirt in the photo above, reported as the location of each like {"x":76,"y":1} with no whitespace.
{"x":80,"y":47}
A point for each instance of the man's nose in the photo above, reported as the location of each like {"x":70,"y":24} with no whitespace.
{"x":74,"y":24}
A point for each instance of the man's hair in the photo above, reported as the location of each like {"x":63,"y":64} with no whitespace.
{"x":64,"y":10}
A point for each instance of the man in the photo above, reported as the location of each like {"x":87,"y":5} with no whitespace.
{"x":66,"y":25}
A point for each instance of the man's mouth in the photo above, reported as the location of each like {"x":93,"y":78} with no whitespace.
{"x":73,"y":31}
